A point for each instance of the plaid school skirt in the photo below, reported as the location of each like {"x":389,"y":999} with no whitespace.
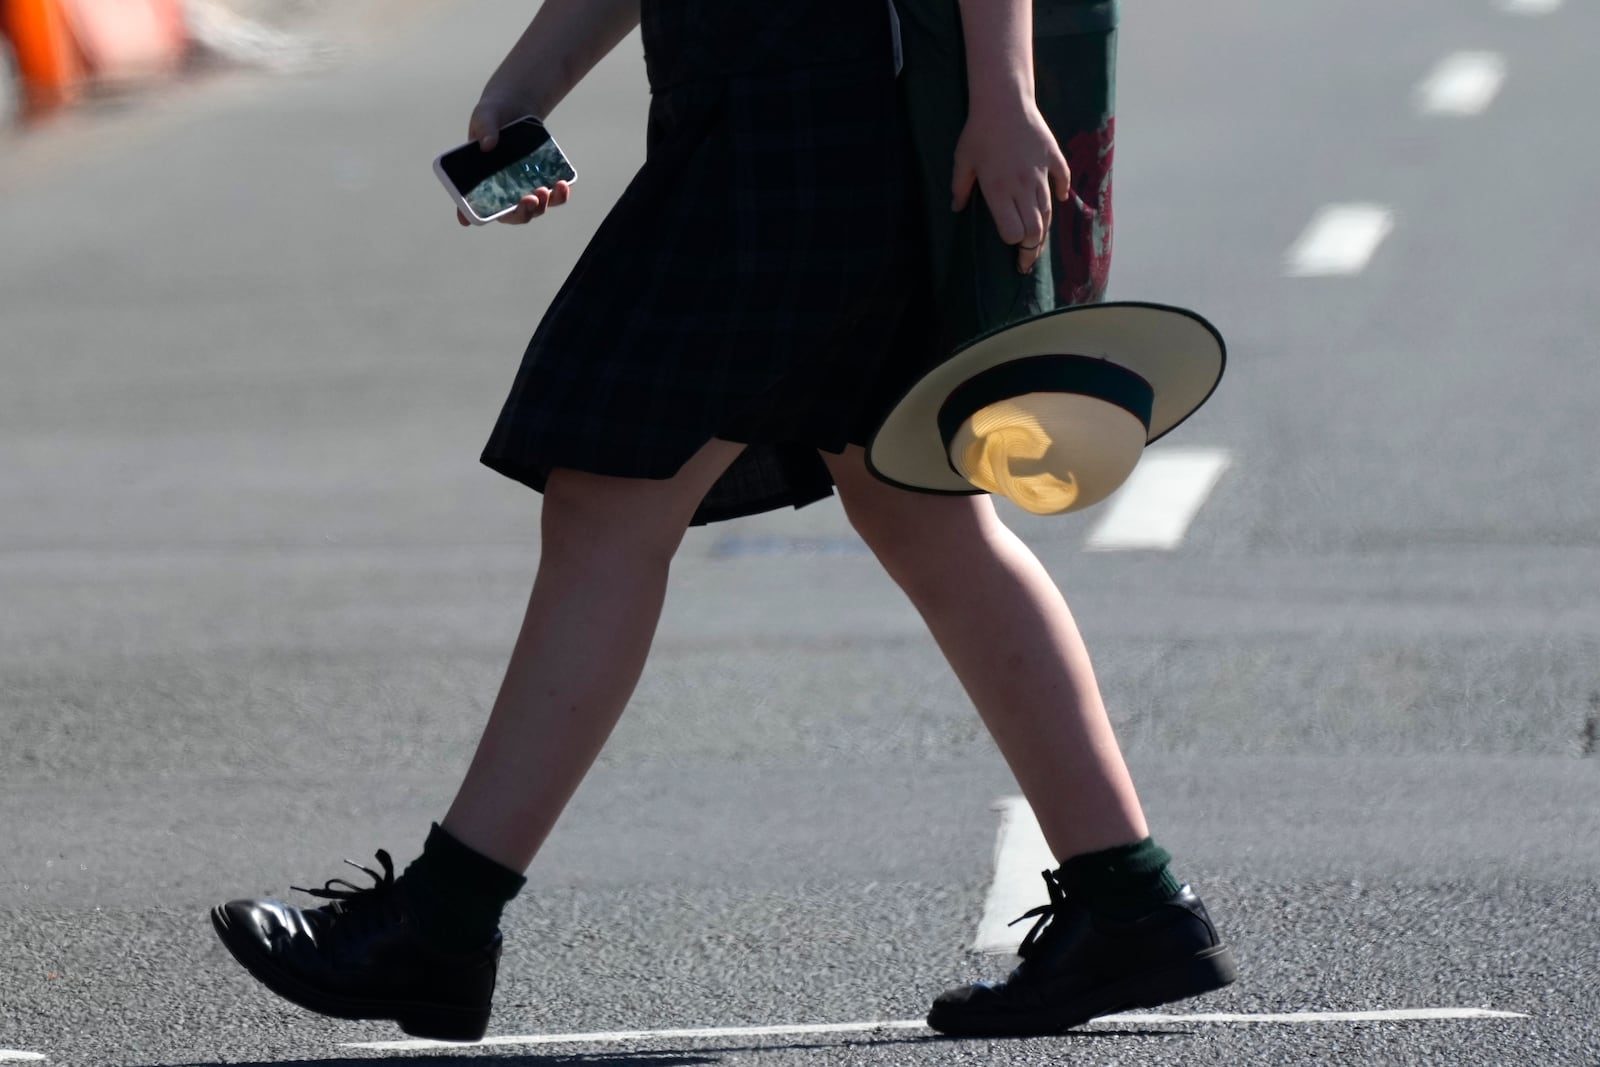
{"x":764,"y":279}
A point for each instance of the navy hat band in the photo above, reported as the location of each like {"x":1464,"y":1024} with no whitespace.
{"x":1083,"y":375}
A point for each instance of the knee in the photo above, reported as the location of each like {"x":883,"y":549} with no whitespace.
{"x":919,"y":537}
{"x":585,"y":516}
{"x":888,"y":530}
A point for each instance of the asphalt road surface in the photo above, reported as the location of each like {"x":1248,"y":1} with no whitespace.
{"x":256,"y":592}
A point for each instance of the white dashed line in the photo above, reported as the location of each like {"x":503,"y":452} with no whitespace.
{"x":1462,"y":84}
{"x":1020,"y":853}
{"x":1529,"y":7}
{"x":11,"y":1055}
{"x":621,"y":1037}
{"x":1340,"y":240}
{"x":1154,"y":508}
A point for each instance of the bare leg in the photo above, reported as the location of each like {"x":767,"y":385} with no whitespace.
{"x":1008,"y":634}
{"x":607,"y":544}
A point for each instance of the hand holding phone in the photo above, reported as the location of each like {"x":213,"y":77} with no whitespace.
{"x":511,"y":175}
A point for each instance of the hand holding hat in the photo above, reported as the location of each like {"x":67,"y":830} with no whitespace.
{"x":1048,"y":396}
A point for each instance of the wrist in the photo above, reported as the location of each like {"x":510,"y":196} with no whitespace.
{"x":996,"y":95}
{"x":507,"y":98}
{"x":999,"y":52}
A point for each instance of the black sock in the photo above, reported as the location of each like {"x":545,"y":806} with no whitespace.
{"x":455,"y":894}
{"x":1125,"y":882}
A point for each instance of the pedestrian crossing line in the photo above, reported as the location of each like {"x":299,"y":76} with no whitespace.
{"x":617,"y":1037}
{"x":1529,"y":7}
{"x":622,"y":1037}
{"x":1340,"y":240}
{"x":1020,"y":853}
{"x":1465,"y":83}
{"x":1384,"y":1015}
{"x":1155,"y":506}
{"x":12,"y":1055}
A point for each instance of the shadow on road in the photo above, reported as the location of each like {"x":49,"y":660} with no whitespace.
{"x":654,"y":1058}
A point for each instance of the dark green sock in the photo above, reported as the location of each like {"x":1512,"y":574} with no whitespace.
{"x":456,"y":894}
{"x":1125,"y":882}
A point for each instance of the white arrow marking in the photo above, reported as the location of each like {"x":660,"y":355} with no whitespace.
{"x":1020,"y":853}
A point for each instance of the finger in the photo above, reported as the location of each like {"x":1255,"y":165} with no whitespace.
{"x":528,"y":208}
{"x":1008,"y":220}
{"x":961,"y":183}
{"x":1027,"y":257}
{"x":462,"y":218}
{"x":484,"y":127}
{"x":1061,"y":176}
{"x":1035,"y":222}
{"x":560,"y":194}
{"x":1036,"y":216}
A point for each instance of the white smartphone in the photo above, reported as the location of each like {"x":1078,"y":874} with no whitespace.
{"x":487,"y":185}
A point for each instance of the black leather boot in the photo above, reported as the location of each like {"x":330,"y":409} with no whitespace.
{"x":361,"y":957}
{"x":1077,"y":965}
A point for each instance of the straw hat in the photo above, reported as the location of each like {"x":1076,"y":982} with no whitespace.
{"x":1052,"y":412}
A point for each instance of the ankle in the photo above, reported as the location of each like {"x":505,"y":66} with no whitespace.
{"x":456,"y":895}
{"x":1125,"y":882}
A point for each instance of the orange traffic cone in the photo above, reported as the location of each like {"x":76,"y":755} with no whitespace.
{"x":47,"y":57}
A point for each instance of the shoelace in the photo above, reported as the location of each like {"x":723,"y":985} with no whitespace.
{"x":347,"y":898}
{"x":1045,"y":913}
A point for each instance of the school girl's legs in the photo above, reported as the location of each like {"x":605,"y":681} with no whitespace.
{"x":1118,"y":931}
{"x":423,"y":950}
{"x":1006,"y":631}
{"x":605,"y":549}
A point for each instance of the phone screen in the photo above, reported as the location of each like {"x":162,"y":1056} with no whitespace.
{"x":525,"y":159}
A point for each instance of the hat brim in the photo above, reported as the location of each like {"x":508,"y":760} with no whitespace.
{"x":1179,"y":353}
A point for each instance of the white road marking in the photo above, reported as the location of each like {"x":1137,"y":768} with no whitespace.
{"x":1391,"y":1015}
{"x":1154,"y":507}
{"x":11,"y":1055}
{"x":1529,"y":7}
{"x":618,"y":1037}
{"x":1340,"y":240}
{"x":1020,"y":853}
{"x":622,"y":1036}
{"x":1462,"y":84}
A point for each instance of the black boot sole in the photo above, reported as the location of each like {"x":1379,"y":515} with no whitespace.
{"x":437,"y":1022}
{"x":1204,"y":973}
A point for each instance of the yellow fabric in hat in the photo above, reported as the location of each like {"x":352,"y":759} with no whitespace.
{"x":1048,"y":452}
